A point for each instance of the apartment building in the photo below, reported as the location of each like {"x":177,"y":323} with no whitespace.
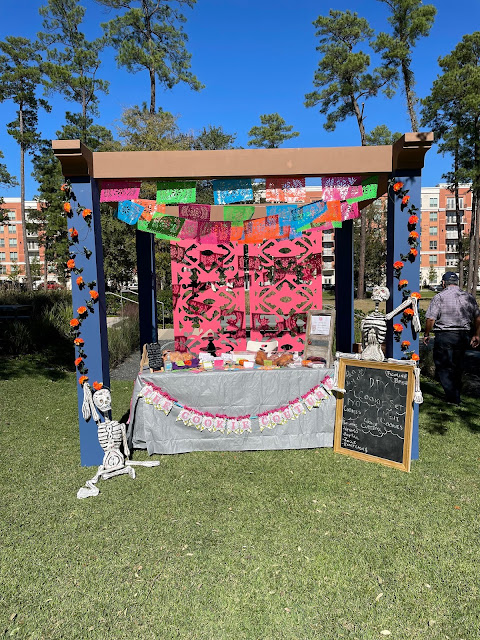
{"x":12,"y":251}
{"x":439,"y":239}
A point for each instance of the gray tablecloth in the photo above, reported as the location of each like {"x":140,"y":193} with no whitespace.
{"x":235,"y":393}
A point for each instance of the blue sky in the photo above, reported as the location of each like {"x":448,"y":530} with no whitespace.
{"x":253,"y":57}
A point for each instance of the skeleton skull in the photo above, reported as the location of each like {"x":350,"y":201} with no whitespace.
{"x":103,"y":400}
{"x":380,"y":294}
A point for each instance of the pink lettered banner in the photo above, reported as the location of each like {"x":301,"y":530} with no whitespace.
{"x":119,"y":190}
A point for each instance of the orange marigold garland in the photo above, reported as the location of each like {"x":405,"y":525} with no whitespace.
{"x":97,"y":385}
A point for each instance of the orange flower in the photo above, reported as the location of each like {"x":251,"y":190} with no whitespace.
{"x":416,"y":295}
{"x":78,"y":361}
{"x":397,"y":186}
{"x":62,"y":188}
{"x":79,"y":342}
{"x":398,"y":328}
{"x":405,"y":199}
{"x":73,"y":233}
{"x":415,"y":356}
{"x":79,"y":281}
{"x":413,"y":220}
{"x":97,"y":385}
{"x":406,"y":343}
{"x":408,"y":312}
{"x":81,"y":310}
{"x":82,"y":380}
{"x":66,"y":207}
{"x":398,"y":265}
{"x":402,"y":283}
{"x":86,"y":213}
{"x":414,"y":252}
{"x":71,"y":263}
{"x":94,"y":295}
{"x":74,"y":322}
{"x":414,"y":234}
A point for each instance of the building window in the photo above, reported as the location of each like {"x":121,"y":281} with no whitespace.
{"x":433,"y":245}
{"x":12,"y":242}
{"x":2,"y":255}
{"x":434,"y":202}
{"x":3,"y":269}
{"x":12,"y":228}
{"x":433,"y":216}
{"x":451,"y":203}
{"x":433,"y":231}
{"x":11,"y":215}
{"x":2,"y":242}
{"x":32,"y":245}
{"x":452,"y":247}
{"x":452,"y":217}
{"x":432,"y":259}
{"x":13,"y":255}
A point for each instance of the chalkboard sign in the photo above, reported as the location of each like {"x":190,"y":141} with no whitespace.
{"x":152,"y":357}
{"x":374,"y":416}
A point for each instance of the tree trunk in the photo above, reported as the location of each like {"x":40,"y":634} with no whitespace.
{"x":476,"y":245}
{"x":410,"y":95}
{"x":363,"y":218}
{"x":152,"y":91}
{"x":471,"y":244}
{"x":28,"y":275}
{"x":459,"y":222}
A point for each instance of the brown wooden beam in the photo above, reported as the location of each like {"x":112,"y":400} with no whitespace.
{"x":77,"y":159}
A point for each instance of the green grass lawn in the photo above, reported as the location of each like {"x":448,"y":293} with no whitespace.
{"x":254,"y":545}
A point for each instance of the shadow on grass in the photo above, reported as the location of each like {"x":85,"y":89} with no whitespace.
{"x":44,"y":364}
{"x":440,"y":414}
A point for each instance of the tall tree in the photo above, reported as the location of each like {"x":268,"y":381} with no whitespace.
{"x":272,"y":132}
{"x":344,"y":82}
{"x":20,"y":77}
{"x":149,"y":36}
{"x":72,"y":61}
{"x":410,"y":21}
{"x":453,"y":110}
{"x":343,"y":77}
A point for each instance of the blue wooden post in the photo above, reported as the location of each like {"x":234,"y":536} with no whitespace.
{"x":147,"y":288}
{"x":397,"y":243}
{"x":344,"y":287}
{"x":94,"y":327}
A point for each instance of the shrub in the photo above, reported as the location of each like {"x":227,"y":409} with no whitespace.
{"x":124,"y":338}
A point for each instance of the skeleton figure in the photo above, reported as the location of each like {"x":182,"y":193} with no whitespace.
{"x":374,"y":328}
{"x":111,"y":435}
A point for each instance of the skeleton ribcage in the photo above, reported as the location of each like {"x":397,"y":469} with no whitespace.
{"x":110,"y":434}
{"x":375,"y":321}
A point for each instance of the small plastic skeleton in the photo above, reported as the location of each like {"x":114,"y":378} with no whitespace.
{"x":111,"y":436}
{"x":374,"y":326}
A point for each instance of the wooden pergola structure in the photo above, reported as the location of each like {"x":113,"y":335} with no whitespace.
{"x":402,"y":161}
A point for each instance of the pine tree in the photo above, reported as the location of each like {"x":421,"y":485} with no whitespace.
{"x":344,"y":82}
{"x":410,"y":21}
{"x":72,"y":61}
{"x":149,"y":36}
{"x":211,"y":138}
{"x":343,"y":77}
{"x":453,"y":110}
{"x":272,"y":132}
{"x":20,"y":78}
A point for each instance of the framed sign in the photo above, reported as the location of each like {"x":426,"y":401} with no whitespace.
{"x":374,"y":417}
{"x":319,"y":334}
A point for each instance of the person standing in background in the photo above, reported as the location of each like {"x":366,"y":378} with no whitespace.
{"x":453,"y":314}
